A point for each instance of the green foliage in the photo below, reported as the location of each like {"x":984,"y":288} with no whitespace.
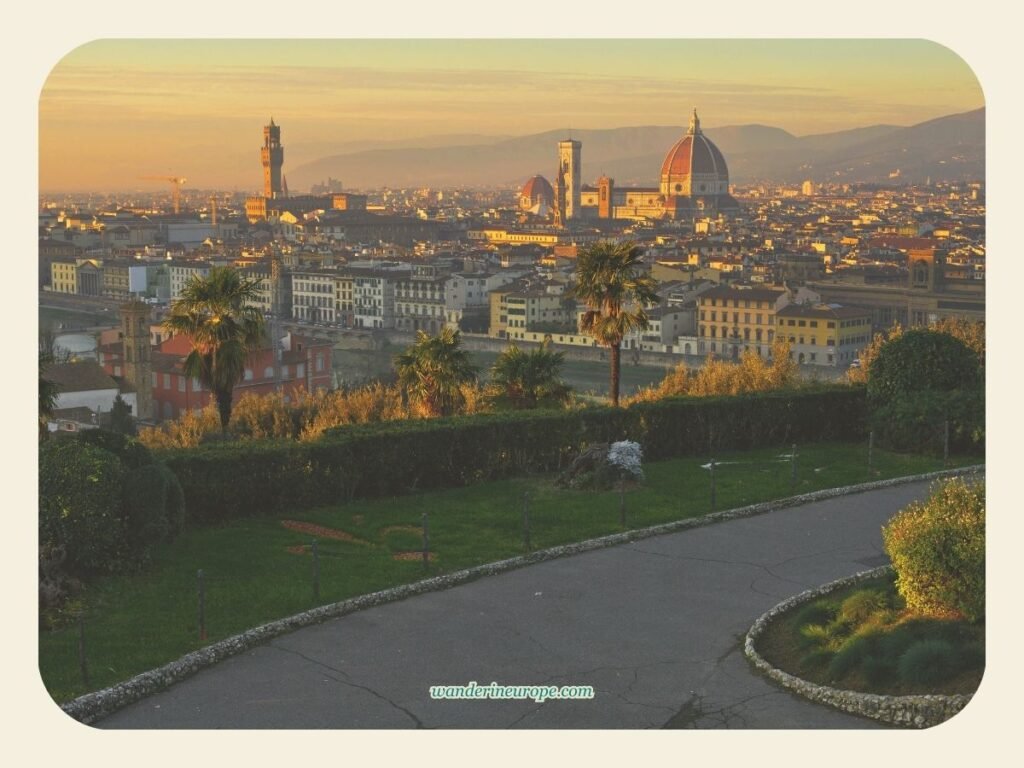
{"x":218,"y":314}
{"x":916,"y":422}
{"x":613,"y":284}
{"x":223,"y":481}
{"x":928,"y":661}
{"x":938,"y":550}
{"x":922,"y":360}
{"x":121,"y":418}
{"x":526,"y":380}
{"x":860,"y":606}
{"x":131,"y":452}
{"x":918,"y":380}
{"x":433,"y":370}
{"x":80,"y":506}
{"x":154,"y":509}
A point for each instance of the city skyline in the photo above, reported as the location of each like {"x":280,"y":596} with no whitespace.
{"x":114,"y":110}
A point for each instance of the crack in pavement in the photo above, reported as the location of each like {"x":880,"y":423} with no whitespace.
{"x":347,"y":681}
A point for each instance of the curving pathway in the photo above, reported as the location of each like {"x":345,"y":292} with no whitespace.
{"x":655,"y":626}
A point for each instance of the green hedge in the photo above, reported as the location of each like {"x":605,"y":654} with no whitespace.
{"x":224,"y":481}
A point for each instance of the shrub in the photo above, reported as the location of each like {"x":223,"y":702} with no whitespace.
{"x":922,"y":359}
{"x":154,"y":509}
{"x":916,"y":422}
{"x":927,"y":662}
{"x":938,"y":551}
{"x":228,"y":480}
{"x":131,"y":452}
{"x":80,"y":506}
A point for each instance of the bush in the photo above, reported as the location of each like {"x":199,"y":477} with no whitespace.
{"x":922,"y":359}
{"x":223,"y":481}
{"x":916,"y":422}
{"x":131,"y":452}
{"x":154,"y":509}
{"x":938,"y":551}
{"x":927,"y":662}
{"x":80,"y":506}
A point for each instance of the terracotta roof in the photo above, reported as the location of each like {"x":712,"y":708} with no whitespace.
{"x":822,"y":310}
{"x":84,"y":376}
{"x":737,"y":292}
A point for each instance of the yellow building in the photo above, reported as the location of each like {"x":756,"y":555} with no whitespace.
{"x":732,"y":319}
{"x":64,"y":277}
{"x":824,"y":334}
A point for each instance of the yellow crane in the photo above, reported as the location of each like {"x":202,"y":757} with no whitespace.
{"x":176,"y":182}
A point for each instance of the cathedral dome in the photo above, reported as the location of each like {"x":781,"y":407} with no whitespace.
{"x":537,"y":187}
{"x":536,"y":190}
{"x":694,"y":166}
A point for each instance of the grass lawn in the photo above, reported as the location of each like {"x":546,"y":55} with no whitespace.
{"x":260,"y":569}
{"x":864,"y":639}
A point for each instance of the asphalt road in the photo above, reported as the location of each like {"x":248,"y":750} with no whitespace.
{"x":655,"y":626}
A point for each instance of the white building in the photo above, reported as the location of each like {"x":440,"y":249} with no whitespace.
{"x":313,"y":297}
{"x":183,"y":271}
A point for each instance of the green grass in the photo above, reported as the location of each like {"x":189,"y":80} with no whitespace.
{"x":864,"y":639}
{"x":135,"y":622}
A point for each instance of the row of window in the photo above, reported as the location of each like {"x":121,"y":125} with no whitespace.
{"x":746,"y":303}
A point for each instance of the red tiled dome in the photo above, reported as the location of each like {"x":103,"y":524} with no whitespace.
{"x":538,"y":188}
{"x":694,"y":155}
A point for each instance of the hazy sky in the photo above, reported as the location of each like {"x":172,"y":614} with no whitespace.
{"x":114,"y":110}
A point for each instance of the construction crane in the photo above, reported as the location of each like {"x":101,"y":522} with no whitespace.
{"x":176,"y":182}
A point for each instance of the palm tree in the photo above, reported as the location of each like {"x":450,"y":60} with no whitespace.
{"x":610,"y":281}
{"x":530,"y":379}
{"x":433,"y":370}
{"x":218,"y":316}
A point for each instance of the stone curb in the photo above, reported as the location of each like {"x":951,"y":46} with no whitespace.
{"x":94,"y":706}
{"x":920,"y":711}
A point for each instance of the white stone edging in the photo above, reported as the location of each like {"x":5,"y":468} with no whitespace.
{"x":916,"y":711}
{"x":94,"y":706}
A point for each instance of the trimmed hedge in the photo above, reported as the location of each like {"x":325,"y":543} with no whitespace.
{"x":225,"y":481}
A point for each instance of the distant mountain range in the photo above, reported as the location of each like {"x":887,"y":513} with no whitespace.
{"x":950,"y":148}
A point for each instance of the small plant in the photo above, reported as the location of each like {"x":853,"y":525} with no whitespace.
{"x":928,"y":661}
{"x":627,"y":456}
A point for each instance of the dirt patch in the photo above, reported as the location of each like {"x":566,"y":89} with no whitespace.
{"x":415,"y":555}
{"x":357,"y":519}
{"x":322,"y":532}
{"x":298,"y":549}
{"x":400,"y":529}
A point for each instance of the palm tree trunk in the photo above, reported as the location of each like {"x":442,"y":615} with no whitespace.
{"x":223,"y":408}
{"x":615,"y":355}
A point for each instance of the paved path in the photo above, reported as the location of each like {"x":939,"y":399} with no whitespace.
{"x":654,"y":626}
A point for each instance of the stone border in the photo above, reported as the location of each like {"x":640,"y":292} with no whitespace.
{"x":96,"y":705}
{"x":919,"y":711}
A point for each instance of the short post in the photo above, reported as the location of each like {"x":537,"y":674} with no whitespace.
{"x":201,"y":579}
{"x":871,"y":451}
{"x":712,"y":485}
{"x":316,"y":572}
{"x":945,"y":443}
{"x":792,"y":470}
{"x":526,"y":520}
{"x":622,"y":503}
{"x":82,"y":666}
{"x":426,"y":542}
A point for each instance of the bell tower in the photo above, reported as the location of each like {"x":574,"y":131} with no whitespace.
{"x":138,"y":356}
{"x":272,"y":155}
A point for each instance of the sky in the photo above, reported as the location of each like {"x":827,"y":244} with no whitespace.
{"x":114,"y":110}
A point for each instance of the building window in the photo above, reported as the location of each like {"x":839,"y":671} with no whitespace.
{"x":167,"y":381}
{"x":300,"y":370}
{"x":181,"y":383}
{"x":268,"y":372}
{"x":248,"y":374}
